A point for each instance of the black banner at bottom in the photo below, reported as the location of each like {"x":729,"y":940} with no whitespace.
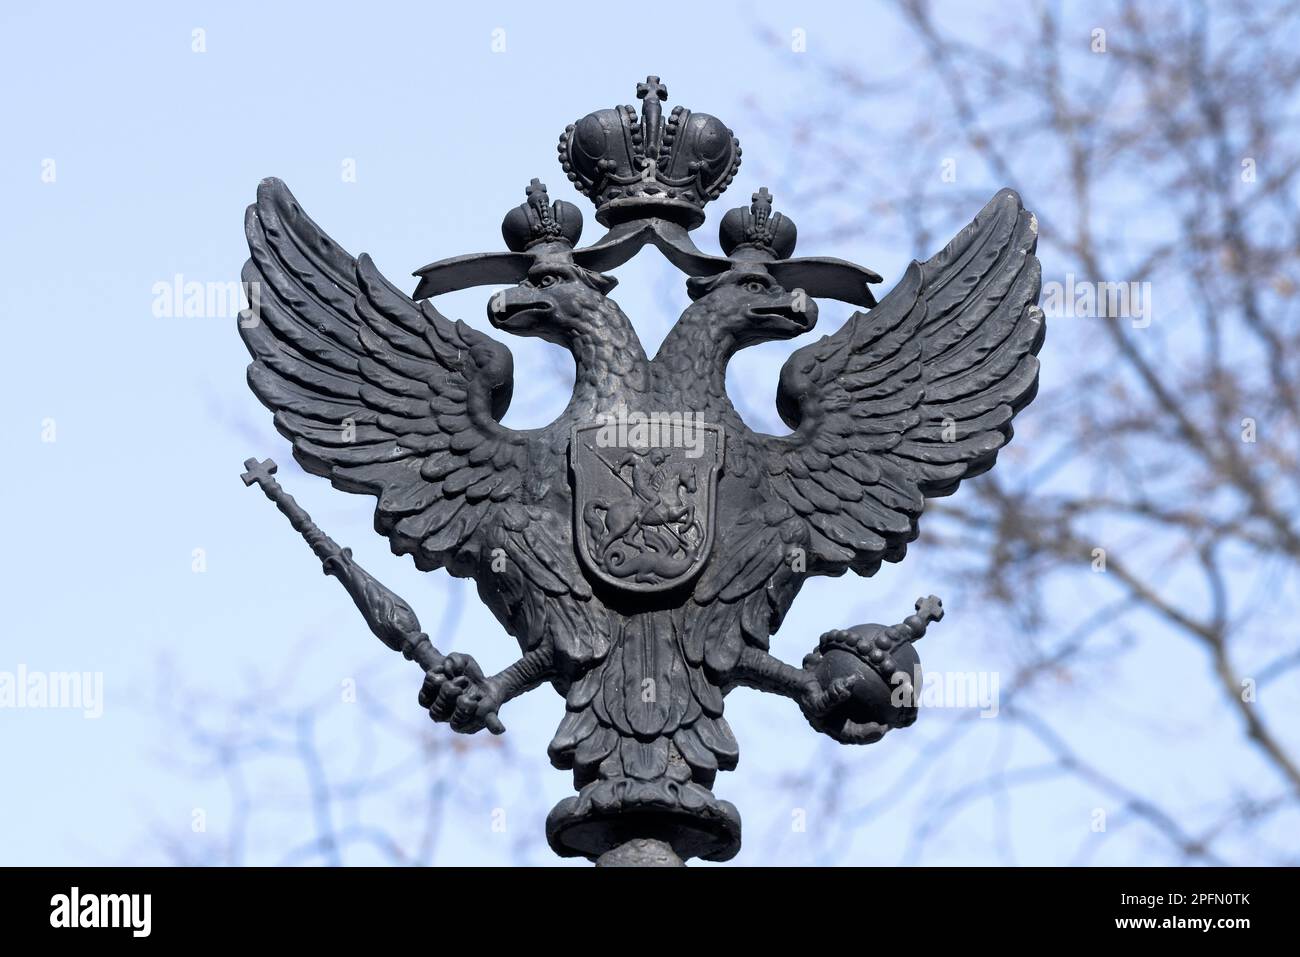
{"x":978,"y":905}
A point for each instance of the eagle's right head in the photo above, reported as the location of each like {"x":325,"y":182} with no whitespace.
{"x":748,"y":306}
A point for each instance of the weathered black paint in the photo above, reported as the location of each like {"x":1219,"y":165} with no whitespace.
{"x":643,"y":582}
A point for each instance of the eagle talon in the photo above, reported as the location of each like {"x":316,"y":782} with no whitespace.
{"x":817,"y":701}
{"x":458,"y":693}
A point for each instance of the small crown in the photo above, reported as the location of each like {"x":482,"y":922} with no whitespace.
{"x":757,"y":232}
{"x":638,"y":168}
{"x":538,"y":221}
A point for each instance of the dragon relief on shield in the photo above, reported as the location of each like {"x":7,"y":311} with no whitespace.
{"x":644,"y":498}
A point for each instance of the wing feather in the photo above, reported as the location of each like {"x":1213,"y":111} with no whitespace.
{"x":904,"y":402}
{"x":378,"y":393}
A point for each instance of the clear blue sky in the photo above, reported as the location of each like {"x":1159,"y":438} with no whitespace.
{"x":156,"y":151}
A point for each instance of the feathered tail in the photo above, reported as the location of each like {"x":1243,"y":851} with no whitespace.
{"x":644,"y":732}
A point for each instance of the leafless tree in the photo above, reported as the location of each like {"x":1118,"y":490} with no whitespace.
{"x":354,"y":775}
{"x":1144,"y":523}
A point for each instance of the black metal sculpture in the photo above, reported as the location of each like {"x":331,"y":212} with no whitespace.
{"x":644,"y":546}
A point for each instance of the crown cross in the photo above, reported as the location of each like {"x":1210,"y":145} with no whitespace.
{"x":652,"y":93}
{"x":545,"y":224}
{"x":761,"y":208}
{"x":652,"y":90}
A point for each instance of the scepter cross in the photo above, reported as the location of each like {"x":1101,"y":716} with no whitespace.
{"x":260,"y":472}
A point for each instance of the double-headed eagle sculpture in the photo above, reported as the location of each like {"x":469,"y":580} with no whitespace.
{"x":644,"y":547}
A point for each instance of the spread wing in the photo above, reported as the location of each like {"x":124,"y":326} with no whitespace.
{"x":378,"y":393}
{"x":907,"y":400}
{"x":383,"y":395}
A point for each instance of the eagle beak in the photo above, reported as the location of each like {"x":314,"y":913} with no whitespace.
{"x":510,"y":308}
{"x":796,"y":308}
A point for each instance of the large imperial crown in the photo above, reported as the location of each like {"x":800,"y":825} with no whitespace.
{"x":650,"y":177}
{"x":650,"y":167}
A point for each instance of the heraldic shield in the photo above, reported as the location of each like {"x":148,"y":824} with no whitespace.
{"x":644,"y":491}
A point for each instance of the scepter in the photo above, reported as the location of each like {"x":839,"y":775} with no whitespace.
{"x":389,"y":617}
